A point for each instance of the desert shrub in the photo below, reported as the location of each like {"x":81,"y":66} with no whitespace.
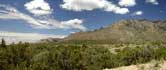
{"x":25,"y":56}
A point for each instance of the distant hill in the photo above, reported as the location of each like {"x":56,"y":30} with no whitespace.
{"x":125,"y":31}
{"x":50,"y":40}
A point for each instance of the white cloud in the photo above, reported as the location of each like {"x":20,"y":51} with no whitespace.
{"x":137,"y":13}
{"x":46,"y":22}
{"x":79,"y":5}
{"x":89,"y":5}
{"x":38,"y":7}
{"x":127,"y":3}
{"x":75,"y":23}
{"x":12,"y":13}
{"x":109,"y":7}
{"x":26,"y":37}
{"x":155,"y":2}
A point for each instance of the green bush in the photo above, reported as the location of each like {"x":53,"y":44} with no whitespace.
{"x":25,"y":56}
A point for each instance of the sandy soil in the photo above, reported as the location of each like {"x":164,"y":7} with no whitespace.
{"x":153,"y":65}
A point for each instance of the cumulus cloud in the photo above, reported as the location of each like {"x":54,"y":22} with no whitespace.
{"x":155,"y":2}
{"x":137,"y":13}
{"x":127,"y":3}
{"x":75,"y":23}
{"x":109,"y":7}
{"x":89,"y":5}
{"x":26,"y":37}
{"x":38,"y":7}
{"x":79,"y":5}
{"x":46,"y":22}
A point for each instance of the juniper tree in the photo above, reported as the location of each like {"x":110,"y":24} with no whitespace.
{"x":3,"y":43}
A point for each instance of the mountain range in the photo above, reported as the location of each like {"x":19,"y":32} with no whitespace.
{"x":125,"y":31}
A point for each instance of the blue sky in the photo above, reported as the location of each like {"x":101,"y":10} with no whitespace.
{"x":59,"y":18}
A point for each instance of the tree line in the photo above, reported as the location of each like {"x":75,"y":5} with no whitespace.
{"x":26,"y":56}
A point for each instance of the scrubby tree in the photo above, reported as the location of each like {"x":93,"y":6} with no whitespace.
{"x":3,"y":43}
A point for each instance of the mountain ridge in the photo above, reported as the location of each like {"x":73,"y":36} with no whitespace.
{"x":126,"y":31}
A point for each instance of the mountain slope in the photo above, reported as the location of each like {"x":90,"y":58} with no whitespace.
{"x":126,"y":31}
